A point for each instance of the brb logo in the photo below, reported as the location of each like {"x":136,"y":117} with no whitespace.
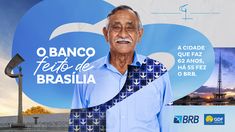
{"x":186,"y":119}
{"x":214,"y":119}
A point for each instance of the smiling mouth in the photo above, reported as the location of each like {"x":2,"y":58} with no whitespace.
{"x":123,"y":42}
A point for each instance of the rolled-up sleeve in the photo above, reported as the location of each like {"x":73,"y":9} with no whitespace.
{"x":79,"y":95}
{"x":77,"y":98}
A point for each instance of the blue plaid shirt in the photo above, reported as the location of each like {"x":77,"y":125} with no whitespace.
{"x":144,"y":111}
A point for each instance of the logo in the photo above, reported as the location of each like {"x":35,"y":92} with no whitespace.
{"x":214,"y":119}
{"x":188,"y":12}
{"x":178,"y":119}
{"x":186,"y":119}
{"x":184,"y":9}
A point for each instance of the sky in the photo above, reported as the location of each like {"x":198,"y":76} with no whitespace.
{"x":10,"y":13}
{"x":228,"y":68}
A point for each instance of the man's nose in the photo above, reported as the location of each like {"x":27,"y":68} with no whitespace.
{"x":123,"y":33}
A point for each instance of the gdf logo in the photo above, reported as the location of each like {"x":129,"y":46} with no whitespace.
{"x":214,"y":119}
{"x":186,"y":119}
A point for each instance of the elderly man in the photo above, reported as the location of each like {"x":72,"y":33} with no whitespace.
{"x":143,"y":110}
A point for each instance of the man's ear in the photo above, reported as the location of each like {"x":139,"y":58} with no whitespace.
{"x":140,"y":33}
{"x":105,"y":32}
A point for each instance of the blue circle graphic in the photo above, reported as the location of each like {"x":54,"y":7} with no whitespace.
{"x":32,"y":40}
{"x":169,"y":38}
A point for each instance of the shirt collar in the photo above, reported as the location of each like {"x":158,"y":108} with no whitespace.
{"x":136,"y":61}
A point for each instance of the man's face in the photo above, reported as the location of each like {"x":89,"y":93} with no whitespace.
{"x":123,"y":32}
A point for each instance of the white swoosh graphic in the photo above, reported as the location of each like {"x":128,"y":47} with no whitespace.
{"x":78,"y":27}
{"x":167,"y":59}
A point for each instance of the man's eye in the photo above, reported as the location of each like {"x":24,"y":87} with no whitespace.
{"x":131,"y":28}
{"x":116,"y":28}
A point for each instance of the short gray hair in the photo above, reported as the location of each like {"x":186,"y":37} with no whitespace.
{"x":124,"y":7}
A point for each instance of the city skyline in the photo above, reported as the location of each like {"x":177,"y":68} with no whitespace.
{"x":219,"y":89}
{"x":228,"y":66}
